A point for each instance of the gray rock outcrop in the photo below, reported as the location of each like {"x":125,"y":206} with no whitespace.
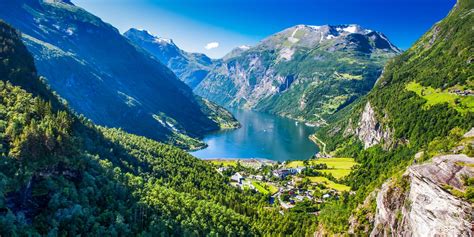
{"x":370,"y":131}
{"x":419,"y":205}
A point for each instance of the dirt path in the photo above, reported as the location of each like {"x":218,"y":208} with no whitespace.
{"x":318,"y":142}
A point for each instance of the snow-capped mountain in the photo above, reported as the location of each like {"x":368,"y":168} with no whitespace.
{"x":305,"y":72}
{"x":191,"y":68}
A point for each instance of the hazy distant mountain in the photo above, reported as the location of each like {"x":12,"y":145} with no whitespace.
{"x":106,"y":78}
{"x":304,"y":72}
{"x":191,"y":68}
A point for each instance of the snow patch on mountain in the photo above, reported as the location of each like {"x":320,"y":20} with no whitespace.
{"x":244,"y":47}
{"x":315,"y":27}
{"x":163,"y":40}
{"x":351,"y":29}
{"x":393,"y":47}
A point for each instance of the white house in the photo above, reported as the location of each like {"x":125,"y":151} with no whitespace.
{"x":237,"y":177}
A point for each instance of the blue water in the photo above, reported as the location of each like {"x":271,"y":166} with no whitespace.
{"x":261,"y":136}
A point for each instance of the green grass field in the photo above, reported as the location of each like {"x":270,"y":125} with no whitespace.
{"x":338,"y":167}
{"x":433,"y":96}
{"x":337,"y":173}
{"x":264,"y":188}
{"x":225,"y":163}
{"x":337,"y":163}
{"x":329,"y":183}
{"x":347,"y":76}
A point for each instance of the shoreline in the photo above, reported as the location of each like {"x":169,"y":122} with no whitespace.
{"x":263,"y":160}
{"x":318,"y":143}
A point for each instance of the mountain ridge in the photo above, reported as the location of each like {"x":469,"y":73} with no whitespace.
{"x":416,"y":118}
{"x":289,"y":72}
{"x":106,"y":78}
{"x":62,"y":175}
{"x":191,"y":68}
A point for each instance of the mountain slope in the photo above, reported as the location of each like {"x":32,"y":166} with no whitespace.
{"x":61,"y":175}
{"x":304,"y":72}
{"x":422,"y":104}
{"x":191,"y":68}
{"x":432,"y":80}
{"x":106,"y":78}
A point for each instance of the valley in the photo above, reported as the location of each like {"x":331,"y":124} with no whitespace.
{"x":324,"y":129}
{"x":261,"y":135}
{"x":304,"y":72}
{"x":299,"y":185}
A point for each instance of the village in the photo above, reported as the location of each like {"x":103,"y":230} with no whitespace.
{"x":303,"y":185}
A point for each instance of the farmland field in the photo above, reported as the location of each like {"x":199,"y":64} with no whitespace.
{"x":264,"y":188}
{"x":433,"y":96}
{"x":329,"y":183}
{"x":338,"y":167}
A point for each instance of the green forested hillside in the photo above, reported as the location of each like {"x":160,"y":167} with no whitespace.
{"x":422,"y":101}
{"x":303,"y":72}
{"x":191,"y":68}
{"x":104,"y":76}
{"x":61,"y":175}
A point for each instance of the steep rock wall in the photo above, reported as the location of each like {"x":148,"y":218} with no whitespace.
{"x":370,"y":131}
{"x":422,"y":206}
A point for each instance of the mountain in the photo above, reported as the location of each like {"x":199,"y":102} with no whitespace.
{"x":62,"y":175}
{"x":106,"y":78}
{"x":412,"y":136}
{"x":236,"y":52}
{"x":304,"y":72}
{"x":191,"y":68}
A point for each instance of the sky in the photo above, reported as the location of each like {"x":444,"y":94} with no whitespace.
{"x":215,"y":27}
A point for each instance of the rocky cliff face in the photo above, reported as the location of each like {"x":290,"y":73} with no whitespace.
{"x":369,"y":130}
{"x":419,"y":205}
{"x":305,"y":72}
{"x":191,"y":68}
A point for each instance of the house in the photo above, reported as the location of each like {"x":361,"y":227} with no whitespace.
{"x":462,"y":92}
{"x":322,"y":155}
{"x":259,"y":177}
{"x":237,"y":177}
{"x":327,"y":195}
{"x":299,"y":197}
{"x":299,"y":169}
{"x":282,"y":173}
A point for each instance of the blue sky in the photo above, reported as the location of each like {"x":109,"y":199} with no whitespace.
{"x":193,"y":24}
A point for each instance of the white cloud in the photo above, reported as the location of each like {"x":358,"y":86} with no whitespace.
{"x":212,"y":45}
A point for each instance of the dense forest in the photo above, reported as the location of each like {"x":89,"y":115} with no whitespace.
{"x":62,"y":175}
{"x":441,"y":61}
{"x":109,"y":80}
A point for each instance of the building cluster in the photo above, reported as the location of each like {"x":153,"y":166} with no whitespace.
{"x":283,"y":173}
{"x":287,"y":188}
{"x":462,"y":92}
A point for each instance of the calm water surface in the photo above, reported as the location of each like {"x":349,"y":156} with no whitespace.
{"x":261,"y":136}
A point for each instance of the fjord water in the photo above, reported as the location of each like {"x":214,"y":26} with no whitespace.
{"x":262,"y":135}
